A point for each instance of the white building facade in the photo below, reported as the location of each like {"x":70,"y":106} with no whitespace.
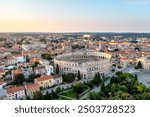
{"x":16,"y":93}
{"x":145,"y":62}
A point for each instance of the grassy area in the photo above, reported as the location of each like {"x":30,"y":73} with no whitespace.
{"x":71,"y":94}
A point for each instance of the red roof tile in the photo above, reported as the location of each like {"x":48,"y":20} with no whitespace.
{"x":15,"y":89}
{"x":30,"y":86}
{"x":42,"y":78}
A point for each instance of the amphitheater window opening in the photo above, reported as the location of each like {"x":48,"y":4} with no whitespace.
{"x":69,"y":69}
{"x":92,"y":68}
{"x":89,"y":69}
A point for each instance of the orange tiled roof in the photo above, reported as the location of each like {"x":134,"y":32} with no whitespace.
{"x":43,"y":78}
{"x":2,"y":71}
{"x":30,"y":86}
{"x":17,"y":71}
{"x":15,"y":89}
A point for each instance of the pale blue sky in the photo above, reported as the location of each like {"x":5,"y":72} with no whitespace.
{"x":75,"y":15}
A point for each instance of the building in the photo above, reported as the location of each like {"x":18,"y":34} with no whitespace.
{"x":31,"y":89}
{"x":49,"y":69}
{"x":44,"y":62}
{"x":58,"y":79}
{"x":124,"y":62}
{"x":145,"y":62}
{"x":3,"y":94}
{"x":45,"y":81}
{"x":16,"y":72}
{"x":2,"y":72}
{"x":40,"y":70}
{"x":10,"y":61}
{"x":16,"y":93}
{"x":87,"y":62}
{"x":2,"y":84}
{"x":86,"y":36}
{"x":20,"y":58}
{"x":27,"y":71}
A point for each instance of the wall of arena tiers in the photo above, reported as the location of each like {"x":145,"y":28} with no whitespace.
{"x":98,"y":62}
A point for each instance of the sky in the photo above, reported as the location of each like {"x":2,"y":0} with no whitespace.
{"x":74,"y":15}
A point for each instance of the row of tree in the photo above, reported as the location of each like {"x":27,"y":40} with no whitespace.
{"x":124,"y":86}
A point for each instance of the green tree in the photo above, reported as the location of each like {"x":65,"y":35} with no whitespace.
{"x":90,"y":84}
{"x":113,"y":88}
{"x":18,"y":79}
{"x":134,"y":80}
{"x":139,"y":65}
{"x":102,"y":85}
{"x":27,"y":59}
{"x":46,"y":56}
{"x":145,"y":96}
{"x":28,"y":98}
{"x":54,"y":95}
{"x":58,"y":90}
{"x":35,"y":64}
{"x":97,"y":79}
{"x":113,"y":80}
{"x":123,"y":88}
{"x":118,"y":73}
{"x":94,"y":96}
{"x":47,"y":96}
{"x":78,"y":88}
{"x":70,"y":77}
{"x":32,"y":77}
{"x":126,"y":96}
{"x":141,"y":88}
{"x":57,"y":69}
{"x":38,"y":96}
{"x":79,"y":75}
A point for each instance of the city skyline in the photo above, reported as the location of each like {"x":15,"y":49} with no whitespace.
{"x":75,"y":16}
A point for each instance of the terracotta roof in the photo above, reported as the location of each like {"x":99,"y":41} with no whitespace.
{"x":15,"y":89}
{"x":42,"y":78}
{"x":56,"y":76}
{"x":30,"y":86}
{"x":124,"y":59}
{"x":19,"y":55}
{"x":2,"y":71}
{"x":17,"y":71}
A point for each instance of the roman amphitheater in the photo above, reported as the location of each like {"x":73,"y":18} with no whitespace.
{"x":87,"y":62}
